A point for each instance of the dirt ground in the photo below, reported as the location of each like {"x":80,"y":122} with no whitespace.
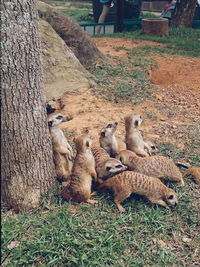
{"x":175,"y":102}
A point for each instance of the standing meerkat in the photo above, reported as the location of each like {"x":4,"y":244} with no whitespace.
{"x":62,"y":151}
{"x":126,"y":183}
{"x":83,"y":172}
{"x":108,"y":140}
{"x":134,"y":140}
{"x":105,"y":165}
{"x":157,"y":166}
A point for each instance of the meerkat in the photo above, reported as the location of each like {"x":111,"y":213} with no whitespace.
{"x":108,"y":141}
{"x":79,"y":189}
{"x":158,"y":166}
{"x":62,"y":151}
{"x":195,"y":173}
{"x":105,"y":165}
{"x":126,"y":183}
{"x":134,"y":140}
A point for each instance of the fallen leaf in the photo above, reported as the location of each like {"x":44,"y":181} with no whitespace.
{"x":13,"y":244}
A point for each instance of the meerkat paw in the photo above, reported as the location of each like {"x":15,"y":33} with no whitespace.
{"x":93,"y":193}
{"x":120,"y":208}
{"x":181,"y":183}
{"x":90,"y":201}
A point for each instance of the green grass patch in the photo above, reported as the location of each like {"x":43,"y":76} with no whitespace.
{"x":78,"y":15}
{"x":182,"y":41}
{"x":68,"y":234}
{"x":126,"y":82}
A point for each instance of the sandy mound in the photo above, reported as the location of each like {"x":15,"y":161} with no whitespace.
{"x":62,"y":70}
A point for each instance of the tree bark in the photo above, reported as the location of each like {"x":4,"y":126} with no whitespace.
{"x":74,"y":36}
{"x":155,"y":26}
{"x":183,"y":13}
{"x":27,"y":162}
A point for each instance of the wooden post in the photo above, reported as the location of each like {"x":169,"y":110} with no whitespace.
{"x":120,"y":15}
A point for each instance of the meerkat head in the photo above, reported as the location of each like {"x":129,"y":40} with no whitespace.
{"x":132,"y":121}
{"x":112,"y":166}
{"x":56,"y":119}
{"x":83,"y":142}
{"x":109,"y":130}
{"x":171,"y":198}
{"x":125,"y":155}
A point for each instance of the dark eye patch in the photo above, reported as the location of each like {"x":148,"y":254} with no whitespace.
{"x":50,"y":123}
{"x":136,"y":123}
{"x":153,"y":147}
{"x":118,"y":166}
{"x":109,"y":126}
{"x":103,"y":134}
{"x":108,"y":168}
{"x":171,"y":197}
{"x":59,"y":117}
{"x":87,"y":144}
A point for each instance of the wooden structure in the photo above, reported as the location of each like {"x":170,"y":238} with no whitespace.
{"x":155,"y":26}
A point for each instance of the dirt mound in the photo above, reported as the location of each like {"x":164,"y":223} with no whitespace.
{"x":62,"y":70}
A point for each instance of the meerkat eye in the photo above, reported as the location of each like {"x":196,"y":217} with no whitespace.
{"x":103,"y":134}
{"x":59,"y":117}
{"x":153,"y":147}
{"x":118,"y":166}
{"x":109,"y":126}
{"x":136,"y":123}
{"x":108,"y":168}
{"x":50,"y":123}
{"x":121,"y":159}
{"x":171,"y":197}
{"x":87,"y":144}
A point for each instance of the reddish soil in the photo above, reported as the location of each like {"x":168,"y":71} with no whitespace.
{"x":177,"y":92}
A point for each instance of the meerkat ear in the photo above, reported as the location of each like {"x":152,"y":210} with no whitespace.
{"x":50,"y":123}
{"x":136,"y":123}
{"x":116,"y":123}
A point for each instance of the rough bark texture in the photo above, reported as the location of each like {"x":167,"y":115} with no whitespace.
{"x":183,"y":13}
{"x":74,"y":36}
{"x":155,"y":27}
{"x":27,"y":163}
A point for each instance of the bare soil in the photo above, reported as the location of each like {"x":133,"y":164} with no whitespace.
{"x":175,"y":103}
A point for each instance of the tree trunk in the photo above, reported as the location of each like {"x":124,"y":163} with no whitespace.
{"x":73,"y":35}
{"x":183,"y":13}
{"x":155,"y":26}
{"x":27,"y":162}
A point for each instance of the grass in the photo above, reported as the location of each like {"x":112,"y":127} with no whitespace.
{"x":182,"y":41}
{"x":78,"y":15}
{"x":67,"y":234}
{"x":125,"y":82}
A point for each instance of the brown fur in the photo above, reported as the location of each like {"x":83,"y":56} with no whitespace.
{"x":126,"y":183}
{"x":82,"y":173}
{"x":105,"y":165}
{"x":134,"y":140}
{"x":108,"y":141}
{"x":157,"y":166}
{"x":195,"y":173}
{"x":62,"y":151}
